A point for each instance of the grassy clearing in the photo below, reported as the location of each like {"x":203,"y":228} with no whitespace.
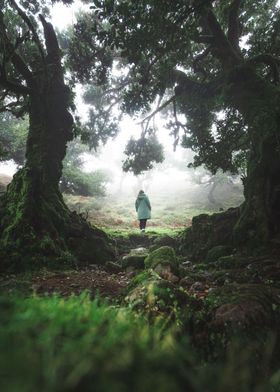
{"x":120,"y":214}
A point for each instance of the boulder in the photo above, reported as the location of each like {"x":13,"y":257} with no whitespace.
{"x":165,"y":272}
{"x":110,"y":266}
{"x":218,"y":251}
{"x":133,"y":261}
{"x":165,"y":256}
{"x":156,"y":295}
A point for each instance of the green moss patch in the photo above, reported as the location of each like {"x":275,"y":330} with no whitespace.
{"x":164,"y":255}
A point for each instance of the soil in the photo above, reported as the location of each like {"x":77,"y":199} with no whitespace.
{"x":95,"y":280}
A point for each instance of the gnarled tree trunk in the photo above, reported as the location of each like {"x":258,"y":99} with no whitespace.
{"x":36,"y":225}
{"x":259,"y":102}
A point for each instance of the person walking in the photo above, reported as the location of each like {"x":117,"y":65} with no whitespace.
{"x":143,"y":209}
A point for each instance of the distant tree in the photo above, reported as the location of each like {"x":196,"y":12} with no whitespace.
{"x":142,"y":154}
{"x":215,"y":183}
{"x":187,"y":57}
{"x":34,"y":219}
{"x":75,"y":181}
{"x":13,"y":135}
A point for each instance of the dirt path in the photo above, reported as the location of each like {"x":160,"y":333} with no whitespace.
{"x":94,"y":280}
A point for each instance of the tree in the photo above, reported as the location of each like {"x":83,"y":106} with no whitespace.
{"x":35,"y":221}
{"x":187,"y":57}
{"x":13,"y":134}
{"x":74,"y":180}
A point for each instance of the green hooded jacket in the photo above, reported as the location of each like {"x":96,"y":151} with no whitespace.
{"x":143,"y":206}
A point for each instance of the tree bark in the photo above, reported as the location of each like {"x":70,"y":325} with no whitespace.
{"x":36,"y":225}
{"x":259,"y":103}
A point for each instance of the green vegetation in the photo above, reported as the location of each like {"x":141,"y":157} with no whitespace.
{"x":204,"y":313}
{"x":164,"y":255}
{"x":55,"y":344}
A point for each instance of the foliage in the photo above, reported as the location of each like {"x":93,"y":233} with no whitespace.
{"x":59,"y":344}
{"x":74,"y":180}
{"x":53,"y":343}
{"x":13,"y":133}
{"x":142,"y":154}
{"x":178,"y":55}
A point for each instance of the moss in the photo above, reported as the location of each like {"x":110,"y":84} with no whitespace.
{"x":150,"y":293}
{"x":37,"y":227}
{"x":164,"y":255}
{"x":135,"y":261}
{"x":218,"y":251}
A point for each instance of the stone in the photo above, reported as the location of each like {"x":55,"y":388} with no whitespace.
{"x":164,"y":255}
{"x":186,"y":264}
{"x":134,"y":261}
{"x":139,"y":251}
{"x":216,"y":252}
{"x":164,"y":272}
{"x":197,"y":287}
{"x":187,"y":281}
{"x":110,"y":266}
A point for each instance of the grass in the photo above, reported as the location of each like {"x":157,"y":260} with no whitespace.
{"x":53,"y":344}
{"x":119,"y":213}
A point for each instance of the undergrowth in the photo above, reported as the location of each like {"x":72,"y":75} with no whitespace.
{"x":75,"y":344}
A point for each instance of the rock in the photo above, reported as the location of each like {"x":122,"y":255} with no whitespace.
{"x":131,"y":274}
{"x":134,"y":261}
{"x":164,"y":272}
{"x":110,"y":266}
{"x":139,"y":252}
{"x":225,"y":262}
{"x":219,"y":281}
{"x":164,"y":240}
{"x":208,"y":231}
{"x":216,"y":252}
{"x":164,"y":256}
{"x":187,"y":281}
{"x":155,"y":295}
{"x":239,"y":315}
{"x":186,"y":264}
{"x":197,"y":287}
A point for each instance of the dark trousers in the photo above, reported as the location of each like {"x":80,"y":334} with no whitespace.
{"x":142,"y":223}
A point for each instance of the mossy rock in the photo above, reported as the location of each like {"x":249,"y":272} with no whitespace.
{"x":149,"y":292}
{"x":226,"y":262}
{"x":241,"y":306}
{"x":164,"y":240}
{"x":113,"y":267}
{"x":218,"y":251}
{"x":135,"y":261}
{"x":164,"y":255}
{"x":139,"y":252}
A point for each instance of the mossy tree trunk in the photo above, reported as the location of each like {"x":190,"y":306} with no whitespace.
{"x":259,"y":103}
{"x":35,"y":222}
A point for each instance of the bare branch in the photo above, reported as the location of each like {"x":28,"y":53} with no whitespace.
{"x":224,"y":50}
{"x":204,"y":39}
{"x":16,"y":59}
{"x":196,"y":63}
{"x":25,"y":18}
{"x":16,"y":88}
{"x":158,"y":109}
{"x":15,"y":107}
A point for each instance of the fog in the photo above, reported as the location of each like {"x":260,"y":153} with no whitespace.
{"x":171,"y":182}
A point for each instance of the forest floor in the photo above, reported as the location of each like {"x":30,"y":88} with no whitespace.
{"x":212,"y":325}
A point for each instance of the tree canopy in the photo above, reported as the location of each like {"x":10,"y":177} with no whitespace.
{"x":177,"y":56}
